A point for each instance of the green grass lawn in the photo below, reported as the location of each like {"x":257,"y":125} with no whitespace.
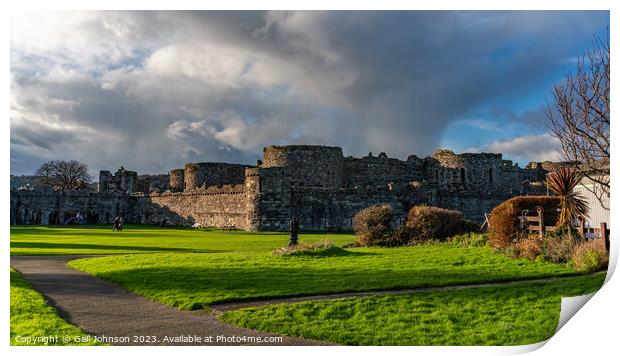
{"x":192,"y":269}
{"x":196,"y":280}
{"x":32,"y":318}
{"x":45,"y":240}
{"x":508,"y":315}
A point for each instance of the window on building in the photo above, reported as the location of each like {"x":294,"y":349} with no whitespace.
{"x":491,"y":175}
{"x":462,"y":175}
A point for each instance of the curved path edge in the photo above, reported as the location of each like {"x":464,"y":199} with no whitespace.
{"x":119,"y":317}
{"x":219,"y":309}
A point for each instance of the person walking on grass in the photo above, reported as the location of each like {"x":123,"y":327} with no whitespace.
{"x":120,"y":223}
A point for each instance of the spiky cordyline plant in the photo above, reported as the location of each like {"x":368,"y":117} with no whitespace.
{"x":572,"y":206}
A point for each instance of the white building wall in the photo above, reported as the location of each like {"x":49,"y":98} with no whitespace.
{"x":598,"y":213}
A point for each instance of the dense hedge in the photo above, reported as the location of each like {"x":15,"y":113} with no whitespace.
{"x":504,"y":220}
{"x":433,"y":223}
{"x":373,"y":225}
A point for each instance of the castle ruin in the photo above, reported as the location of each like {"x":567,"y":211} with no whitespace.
{"x":318,"y":184}
{"x":123,"y":181}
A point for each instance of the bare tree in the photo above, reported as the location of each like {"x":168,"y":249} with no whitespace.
{"x":63,"y":175}
{"x":579,"y":118}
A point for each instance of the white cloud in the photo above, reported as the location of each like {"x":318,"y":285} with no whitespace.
{"x":153,"y":90}
{"x":530,"y":147}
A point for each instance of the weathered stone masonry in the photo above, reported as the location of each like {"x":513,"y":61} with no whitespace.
{"x":316,"y":183}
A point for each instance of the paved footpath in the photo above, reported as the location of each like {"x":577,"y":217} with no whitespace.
{"x":104,"y":309}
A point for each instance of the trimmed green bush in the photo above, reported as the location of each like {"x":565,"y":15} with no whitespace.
{"x":373,"y":225}
{"x":504,"y":221}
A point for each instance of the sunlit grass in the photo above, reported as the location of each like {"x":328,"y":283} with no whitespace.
{"x":503,"y":315}
{"x":193,"y":281}
{"x":45,"y":240}
{"x":192,"y":269}
{"x":32,"y":317}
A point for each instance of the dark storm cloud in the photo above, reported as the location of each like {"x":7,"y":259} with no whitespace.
{"x":154,"y":90}
{"x":40,"y":137}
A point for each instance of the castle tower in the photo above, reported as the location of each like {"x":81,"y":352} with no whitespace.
{"x":105,"y":178}
{"x":177,"y":180}
{"x":206,"y":174}
{"x":268,"y":198}
{"x":309,"y":166}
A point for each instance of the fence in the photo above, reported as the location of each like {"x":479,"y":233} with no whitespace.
{"x":536,"y":224}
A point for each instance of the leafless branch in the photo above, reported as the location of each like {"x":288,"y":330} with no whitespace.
{"x":579,"y":117}
{"x":63,"y":175}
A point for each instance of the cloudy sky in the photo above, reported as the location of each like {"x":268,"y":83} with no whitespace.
{"x":153,"y":90}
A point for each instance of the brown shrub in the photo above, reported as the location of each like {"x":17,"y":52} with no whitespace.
{"x":558,"y":249}
{"x":373,"y":225}
{"x":401,"y":237}
{"x":529,"y":247}
{"x":432,"y":223}
{"x":591,"y":255}
{"x":504,"y":222}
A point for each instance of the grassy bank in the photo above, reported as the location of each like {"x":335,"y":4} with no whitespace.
{"x":192,"y":281}
{"x":508,"y":315}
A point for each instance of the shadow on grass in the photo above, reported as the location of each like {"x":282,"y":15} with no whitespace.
{"x":71,"y":246}
{"x":199,"y":287}
{"x":333,"y":251}
{"x":107,"y":228}
{"x":83,"y":229}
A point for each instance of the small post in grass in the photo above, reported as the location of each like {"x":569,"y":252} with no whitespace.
{"x":293,"y":231}
{"x":541,"y":221}
{"x":604,"y":235}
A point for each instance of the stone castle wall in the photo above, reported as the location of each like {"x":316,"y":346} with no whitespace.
{"x":310,"y":166}
{"x":372,"y":171}
{"x":123,"y":181}
{"x":223,"y":208}
{"x":466,"y":173}
{"x":217,"y":207}
{"x":268,"y":193}
{"x":49,"y":208}
{"x":199,"y":175}
{"x":320,"y":209}
{"x":177,"y":180}
{"x":315,"y":183}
